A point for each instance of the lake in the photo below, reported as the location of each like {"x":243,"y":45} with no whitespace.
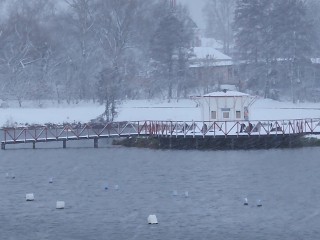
{"x":141,"y":182}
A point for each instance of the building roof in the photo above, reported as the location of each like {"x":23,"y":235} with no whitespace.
{"x":225,"y":94}
{"x":209,"y":57}
{"x":210,"y":53}
{"x":315,"y":60}
{"x":199,"y":64}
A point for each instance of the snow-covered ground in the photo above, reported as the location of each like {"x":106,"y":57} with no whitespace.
{"x":187,"y":110}
{"x":184,"y":110}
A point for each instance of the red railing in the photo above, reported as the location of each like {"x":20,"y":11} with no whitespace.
{"x":160,"y":129}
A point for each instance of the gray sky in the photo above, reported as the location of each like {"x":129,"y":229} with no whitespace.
{"x":195,"y":7}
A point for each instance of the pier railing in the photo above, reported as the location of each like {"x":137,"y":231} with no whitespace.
{"x":177,"y":129}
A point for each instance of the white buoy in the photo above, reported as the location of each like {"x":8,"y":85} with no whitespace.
{"x":116,"y":187}
{"x":60,"y":205}
{"x":175,"y":193}
{"x":50,"y":180}
{"x":259,"y":204}
{"x":186,"y":194}
{"x":30,"y":197}
{"x":152,"y":219}
{"x":246,"y":202}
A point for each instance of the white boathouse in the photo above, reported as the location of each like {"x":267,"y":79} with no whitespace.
{"x":225,"y":106}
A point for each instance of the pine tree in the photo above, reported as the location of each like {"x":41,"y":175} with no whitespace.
{"x":291,"y":42}
{"x":251,"y":31}
{"x":249,"y":25}
{"x":170,"y":40}
{"x":275,"y":39}
{"x":291,"y":31}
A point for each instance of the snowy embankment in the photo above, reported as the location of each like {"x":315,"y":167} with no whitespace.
{"x":182,"y":110}
{"x":187,"y":110}
{"x":50,"y":112}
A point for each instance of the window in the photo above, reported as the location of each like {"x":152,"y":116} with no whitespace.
{"x":225,"y":114}
{"x":238,"y":114}
{"x":213,"y":115}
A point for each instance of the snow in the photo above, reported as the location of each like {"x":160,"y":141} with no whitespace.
{"x":209,"y":56}
{"x":187,"y":110}
{"x":49,"y":113}
{"x":209,"y":53}
{"x":226,"y":94}
{"x":214,"y":63}
{"x":160,"y":110}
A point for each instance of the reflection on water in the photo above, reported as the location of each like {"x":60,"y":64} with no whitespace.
{"x":141,"y":182}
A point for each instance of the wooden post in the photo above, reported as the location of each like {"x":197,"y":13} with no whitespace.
{"x":64,"y":143}
{"x":34,"y":144}
{"x":3,"y":146}
{"x":96,"y":142}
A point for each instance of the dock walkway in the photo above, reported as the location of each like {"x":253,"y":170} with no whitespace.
{"x":159,"y":129}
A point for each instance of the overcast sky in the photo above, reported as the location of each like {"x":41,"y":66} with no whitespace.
{"x":195,"y":7}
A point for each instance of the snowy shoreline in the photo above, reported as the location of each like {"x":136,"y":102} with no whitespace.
{"x":137,"y":110}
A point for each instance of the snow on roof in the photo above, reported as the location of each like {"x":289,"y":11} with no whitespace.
{"x":315,"y":60}
{"x":209,"y":53}
{"x":226,"y":94}
{"x":209,"y":57}
{"x":198,"y":64}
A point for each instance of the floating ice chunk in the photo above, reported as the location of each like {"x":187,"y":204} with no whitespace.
{"x":8,"y":175}
{"x":174,"y":193}
{"x":29,"y":197}
{"x":152,"y":219}
{"x":259,"y":204}
{"x":60,"y":205}
{"x":50,"y":180}
{"x":186,"y":194}
{"x":116,"y":187}
{"x":246,"y":201}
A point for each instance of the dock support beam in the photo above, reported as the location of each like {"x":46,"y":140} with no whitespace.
{"x":3,"y":146}
{"x":64,"y":143}
{"x":96,"y":142}
{"x":34,"y":145}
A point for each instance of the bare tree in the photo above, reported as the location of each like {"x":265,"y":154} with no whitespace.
{"x":115,"y":32}
{"x":219,"y":17}
{"x":23,"y":42}
{"x":81,"y":21}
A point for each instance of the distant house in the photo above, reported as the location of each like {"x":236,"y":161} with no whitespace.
{"x":225,"y":105}
{"x":210,"y":66}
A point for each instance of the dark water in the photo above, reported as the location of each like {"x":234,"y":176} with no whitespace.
{"x":287,"y":182}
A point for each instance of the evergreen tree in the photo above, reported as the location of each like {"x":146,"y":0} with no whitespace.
{"x":275,"y":39}
{"x":249,"y":25}
{"x":291,"y":31}
{"x":291,"y":40}
{"x":168,"y":48}
{"x":251,"y":32}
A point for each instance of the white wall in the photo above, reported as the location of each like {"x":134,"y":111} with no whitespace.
{"x":227,"y":105}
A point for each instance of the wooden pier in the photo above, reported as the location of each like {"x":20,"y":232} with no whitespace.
{"x":217,"y":130}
